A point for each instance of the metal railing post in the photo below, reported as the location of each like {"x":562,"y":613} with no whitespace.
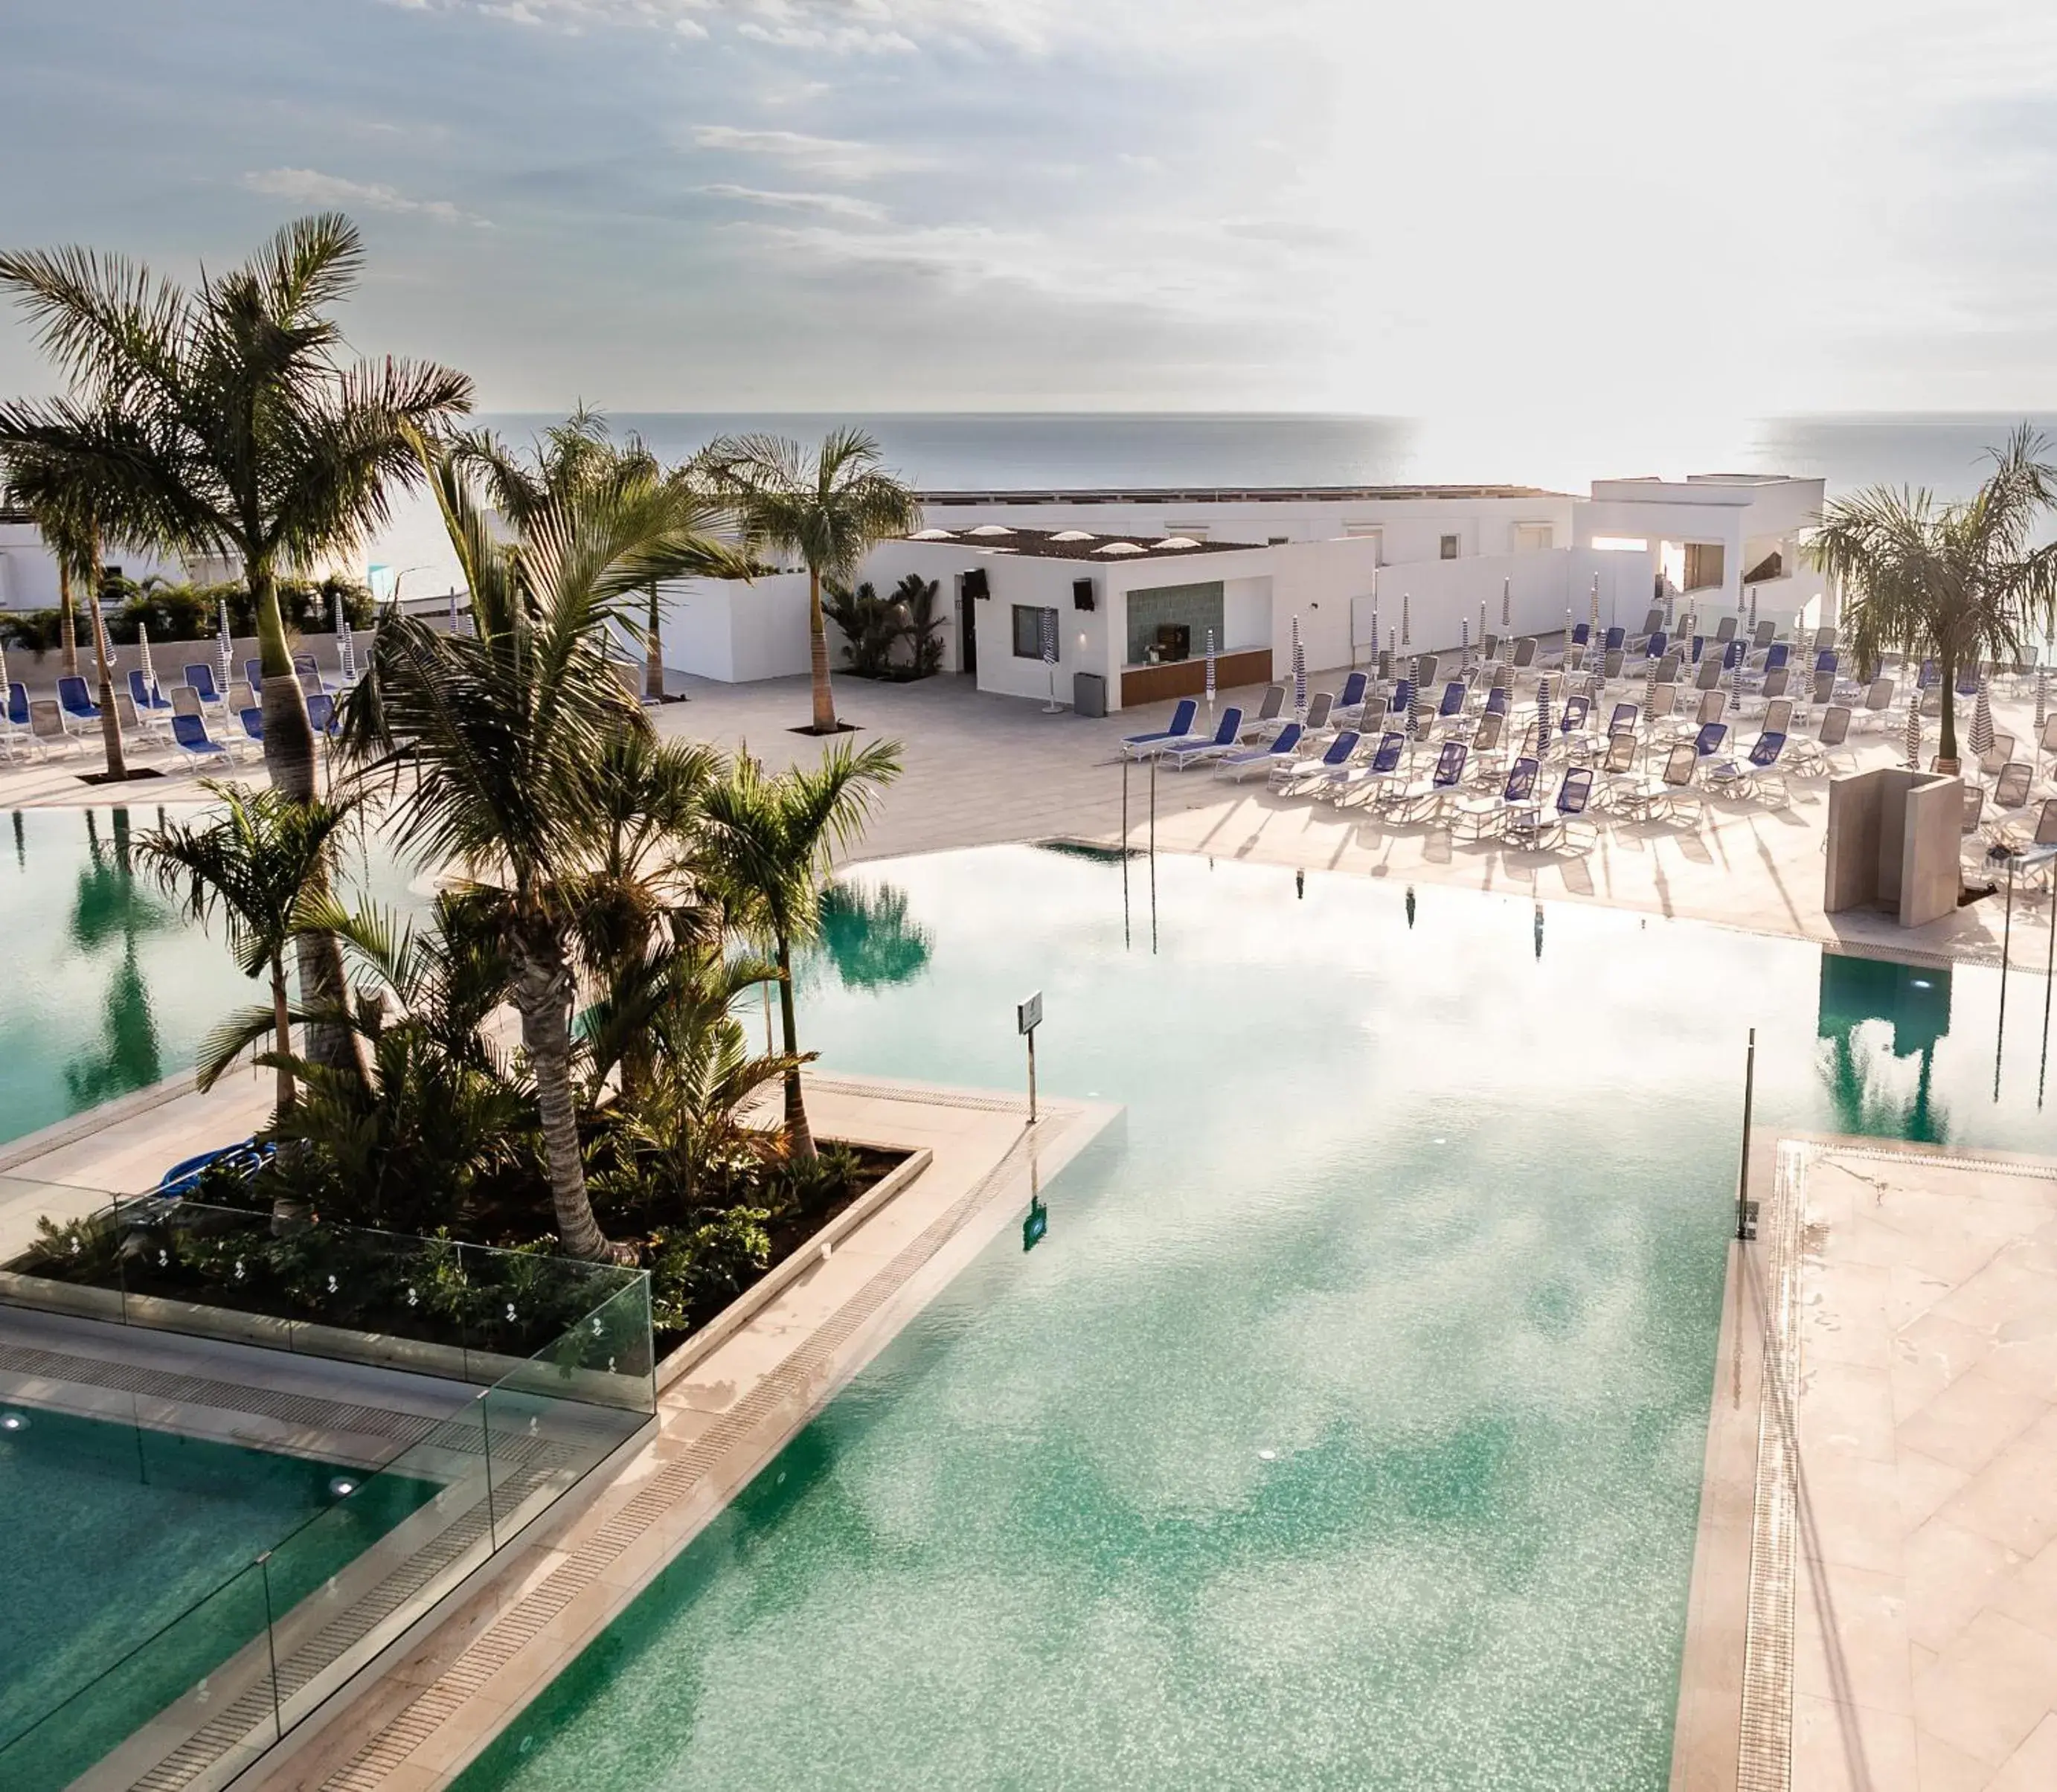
{"x":1744,"y":1231}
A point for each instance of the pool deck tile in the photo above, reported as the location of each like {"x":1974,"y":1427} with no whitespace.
{"x":1925,"y":1620}
{"x":982,"y":769}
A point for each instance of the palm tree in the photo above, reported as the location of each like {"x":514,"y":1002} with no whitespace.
{"x":1958,"y":583}
{"x":509,"y":728}
{"x":830,"y":508}
{"x":63,"y":508}
{"x":253,"y":866}
{"x":772,"y":841}
{"x":223,"y":420}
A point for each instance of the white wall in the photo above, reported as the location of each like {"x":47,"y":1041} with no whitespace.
{"x":726,"y":629}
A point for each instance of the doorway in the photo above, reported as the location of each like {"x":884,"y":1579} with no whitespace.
{"x":967,"y":633}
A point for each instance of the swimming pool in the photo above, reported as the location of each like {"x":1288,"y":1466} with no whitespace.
{"x":106,"y":990}
{"x":117,"y":1532}
{"x":1347,"y":1428}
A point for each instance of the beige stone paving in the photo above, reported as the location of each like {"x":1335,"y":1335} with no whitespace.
{"x":982,"y":769}
{"x":1925,"y":1639}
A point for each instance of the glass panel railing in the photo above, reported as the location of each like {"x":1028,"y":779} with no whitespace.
{"x":207,"y":1674}
{"x":560,"y":1354}
{"x":348,"y":1582}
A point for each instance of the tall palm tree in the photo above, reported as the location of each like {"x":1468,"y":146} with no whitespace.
{"x":508,"y":729}
{"x":252,"y":867}
{"x":772,"y":843}
{"x":224,"y":420}
{"x":1957,"y":583}
{"x":829,"y":507}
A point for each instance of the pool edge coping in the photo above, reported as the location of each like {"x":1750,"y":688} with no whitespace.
{"x":508,"y":1636}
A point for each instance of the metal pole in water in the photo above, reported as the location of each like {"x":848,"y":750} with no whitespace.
{"x":2049,"y":971}
{"x":1743,"y":1230}
{"x":1124,"y":850}
{"x":1153,"y":852}
{"x":1031,"y":1076}
{"x":2006,"y":949}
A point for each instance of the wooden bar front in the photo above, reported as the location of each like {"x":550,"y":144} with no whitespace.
{"x":1188,"y":678}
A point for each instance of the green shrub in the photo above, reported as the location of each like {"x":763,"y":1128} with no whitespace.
{"x":695,"y":1271}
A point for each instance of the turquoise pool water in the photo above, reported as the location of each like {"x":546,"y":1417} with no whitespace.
{"x":104,"y":990}
{"x":1346,"y":1428}
{"x":119,"y":1539}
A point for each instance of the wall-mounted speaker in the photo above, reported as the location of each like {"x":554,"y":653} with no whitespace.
{"x":975,"y":585}
{"x":1082,"y":594}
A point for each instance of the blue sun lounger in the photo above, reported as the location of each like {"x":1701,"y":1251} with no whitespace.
{"x":1302,"y":775}
{"x":1284,"y":750}
{"x":1225,"y":739}
{"x":1141,"y":746}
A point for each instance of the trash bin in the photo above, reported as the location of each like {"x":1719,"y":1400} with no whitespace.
{"x":1088,"y":694}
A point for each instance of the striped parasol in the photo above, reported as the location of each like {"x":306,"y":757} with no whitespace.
{"x":1210,"y":674}
{"x":1670,"y":610}
{"x":1506,"y":605}
{"x":227,"y":652}
{"x":1463,"y":641}
{"x":1050,"y":660}
{"x":1568,"y":626}
{"x":1481,"y":625}
{"x":1406,"y":614}
{"x":149,"y":670}
{"x":1913,"y":735}
{"x":101,"y":635}
{"x":453,"y":610}
{"x":1735,"y":687}
{"x":1375,"y":636}
{"x":2042,"y":699}
{"x":1543,"y":717}
{"x":1593,"y":618}
{"x":1299,"y":674}
{"x":344,"y":656}
{"x":1649,"y":692}
{"x":1753,"y":609}
{"x":1982,"y":723}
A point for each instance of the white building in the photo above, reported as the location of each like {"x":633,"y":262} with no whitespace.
{"x":29,"y":570}
{"x":1354,"y":569}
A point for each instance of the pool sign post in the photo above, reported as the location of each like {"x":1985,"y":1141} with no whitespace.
{"x":1028,"y":1018}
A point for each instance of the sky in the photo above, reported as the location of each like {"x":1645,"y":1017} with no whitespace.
{"x":1600,"y":209}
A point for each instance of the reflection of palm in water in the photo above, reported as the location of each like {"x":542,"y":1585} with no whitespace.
{"x":869,"y":936}
{"x":108,"y":906}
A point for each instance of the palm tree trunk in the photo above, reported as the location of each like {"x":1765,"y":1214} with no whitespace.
{"x":653,"y":652}
{"x":799,"y":1135}
{"x":289,"y":757}
{"x":1946,"y":668}
{"x":282,"y":1032}
{"x":67,"y":620}
{"x":818,"y":657}
{"x":110,"y":723}
{"x":543,"y":998}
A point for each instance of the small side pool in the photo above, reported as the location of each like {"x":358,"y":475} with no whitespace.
{"x":120,"y":1542}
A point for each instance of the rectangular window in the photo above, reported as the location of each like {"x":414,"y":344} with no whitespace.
{"x":1532,"y":537}
{"x":1620,"y":544}
{"x":1452,"y":546}
{"x":1703,"y":565}
{"x":1028,"y":630}
{"x":1193,"y":531}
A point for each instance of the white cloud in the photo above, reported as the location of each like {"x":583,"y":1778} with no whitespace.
{"x":307,"y":186}
{"x":834,"y":158}
{"x":839,"y":205}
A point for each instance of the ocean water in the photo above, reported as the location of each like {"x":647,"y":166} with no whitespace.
{"x":1053,"y":449}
